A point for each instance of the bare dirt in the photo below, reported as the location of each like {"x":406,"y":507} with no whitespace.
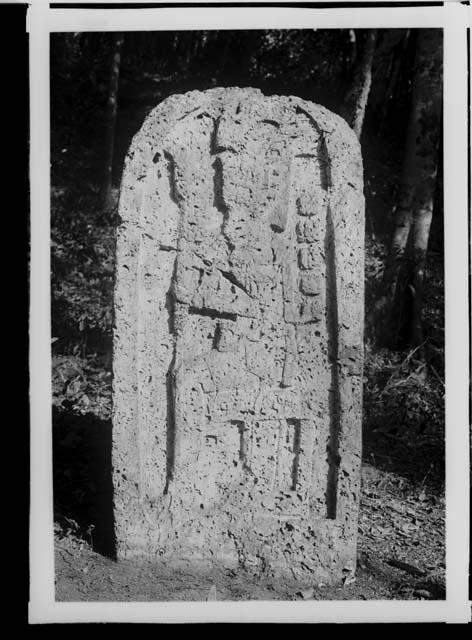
{"x":400,"y":557}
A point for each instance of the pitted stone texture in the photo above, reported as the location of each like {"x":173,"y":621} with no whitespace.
{"x":239,"y":331}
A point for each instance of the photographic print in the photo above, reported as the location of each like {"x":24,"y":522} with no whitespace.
{"x":220,"y":202}
{"x":248,"y":314}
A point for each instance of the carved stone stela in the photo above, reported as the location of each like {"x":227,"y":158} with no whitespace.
{"x":238,"y":336}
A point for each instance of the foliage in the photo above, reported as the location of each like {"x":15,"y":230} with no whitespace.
{"x":402,"y":395}
{"x":82,"y":264}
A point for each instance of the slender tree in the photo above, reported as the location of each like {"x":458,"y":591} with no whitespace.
{"x":398,"y":56}
{"x":399,"y":308}
{"x":358,"y":91}
{"x":110,"y":120}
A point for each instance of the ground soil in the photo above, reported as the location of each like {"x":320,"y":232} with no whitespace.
{"x":400,"y":556}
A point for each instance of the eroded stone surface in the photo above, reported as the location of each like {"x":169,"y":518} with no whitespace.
{"x":238,"y":341}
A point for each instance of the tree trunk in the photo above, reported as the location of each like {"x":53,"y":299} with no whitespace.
{"x":398,"y":55}
{"x":358,"y":93}
{"x":399,"y":309}
{"x":110,"y":124}
{"x":423,"y":215}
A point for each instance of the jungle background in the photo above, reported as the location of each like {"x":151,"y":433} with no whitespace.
{"x":388,"y":85}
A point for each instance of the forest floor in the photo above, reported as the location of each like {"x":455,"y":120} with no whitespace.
{"x":400,"y":557}
{"x":401,"y":544}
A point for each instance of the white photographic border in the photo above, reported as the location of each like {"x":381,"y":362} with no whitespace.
{"x":454,"y":18}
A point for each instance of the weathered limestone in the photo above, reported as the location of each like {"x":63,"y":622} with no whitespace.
{"x":238,"y":340}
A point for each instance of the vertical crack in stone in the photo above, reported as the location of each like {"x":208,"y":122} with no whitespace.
{"x":325,"y":166}
{"x":243,"y":454}
{"x":214,"y":137}
{"x":170,"y":306}
{"x":242,"y":445}
{"x":170,"y":385}
{"x":333,"y":348}
{"x":216,"y":337}
{"x":296,"y":426}
{"x":218,"y":179}
{"x":173,"y":191}
{"x":218,"y":201}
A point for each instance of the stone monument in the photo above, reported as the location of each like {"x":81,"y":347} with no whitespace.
{"x":238,"y":344}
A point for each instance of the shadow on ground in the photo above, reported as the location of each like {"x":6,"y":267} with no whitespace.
{"x":418,"y":458}
{"x":82,"y":478}
{"x":403,"y":433}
